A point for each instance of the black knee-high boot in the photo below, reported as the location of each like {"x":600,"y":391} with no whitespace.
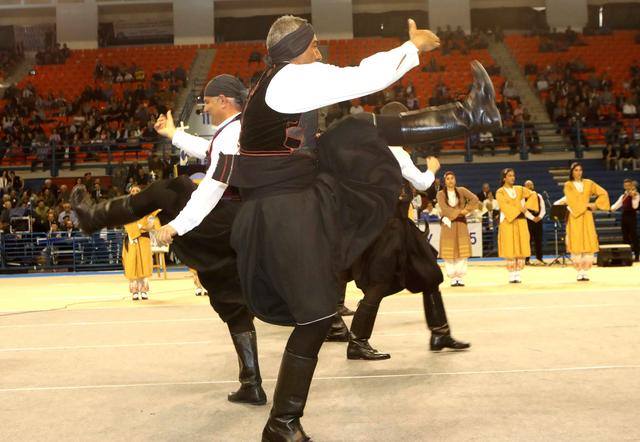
{"x":289,"y":399}
{"x":476,"y":113}
{"x":361,"y":329}
{"x":436,"y":317}
{"x":250,"y":391}
{"x":339,"y":332}
{"x":111,"y":213}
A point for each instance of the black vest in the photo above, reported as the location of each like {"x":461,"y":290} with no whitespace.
{"x":268,"y":132}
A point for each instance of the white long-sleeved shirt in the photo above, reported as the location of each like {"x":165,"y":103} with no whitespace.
{"x":209,"y":191}
{"x":420,"y":180}
{"x":543,"y":209}
{"x":300,"y":88}
{"x":190,"y":144}
{"x":635,"y":202}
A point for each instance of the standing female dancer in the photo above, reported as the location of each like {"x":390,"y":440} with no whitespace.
{"x":455,"y":245}
{"x":513,"y":233}
{"x":581,"y":236}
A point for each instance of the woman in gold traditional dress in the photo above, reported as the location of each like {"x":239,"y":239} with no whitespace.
{"x":137,"y":258}
{"x":455,"y":246}
{"x":581,"y":236}
{"x":513,"y":233}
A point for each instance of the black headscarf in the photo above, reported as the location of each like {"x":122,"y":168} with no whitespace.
{"x":291,"y":45}
{"x":226,"y":85}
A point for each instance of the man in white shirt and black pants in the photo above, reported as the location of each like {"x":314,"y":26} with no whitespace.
{"x":401,"y":258}
{"x":629,"y":202}
{"x":201,"y":232}
{"x":535,"y":222}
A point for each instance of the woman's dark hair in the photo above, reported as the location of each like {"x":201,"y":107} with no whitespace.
{"x":504,"y":174}
{"x":455,"y":189}
{"x":572,"y":168}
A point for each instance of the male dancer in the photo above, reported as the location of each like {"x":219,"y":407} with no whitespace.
{"x":629,"y":201}
{"x":307,"y":213}
{"x":203,"y":241}
{"x":538,"y":211}
{"x":400,"y":258}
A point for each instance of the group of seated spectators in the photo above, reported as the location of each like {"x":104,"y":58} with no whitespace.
{"x":48,"y":210}
{"x":554,"y":41}
{"x":120,"y":73}
{"x":53,"y":54}
{"x":621,"y":152}
{"x":456,"y":40}
{"x":590,"y":102}
{"x":94,"y":122}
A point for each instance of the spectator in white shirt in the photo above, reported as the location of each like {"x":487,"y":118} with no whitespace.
{"x":629,"y":110}
{"x":356,"y":108}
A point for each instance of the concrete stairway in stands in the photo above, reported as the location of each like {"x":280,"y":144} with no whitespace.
{"x":198,"y":77}
{"x":514,"y":74}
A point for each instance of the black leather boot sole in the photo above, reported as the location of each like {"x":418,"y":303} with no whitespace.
{"x":476,"y":113}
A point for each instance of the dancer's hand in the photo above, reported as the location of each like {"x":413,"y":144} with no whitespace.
{"x":165,"y":125}
{"x":424,"y":39}
{"x":433,"y":165}
{"x":593,"y":207}
{"x":165,"y":235}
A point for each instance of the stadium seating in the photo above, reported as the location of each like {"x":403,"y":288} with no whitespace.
{"x":69,"y":79}
{"x":233,"y":58}
{"x":611,"y":54}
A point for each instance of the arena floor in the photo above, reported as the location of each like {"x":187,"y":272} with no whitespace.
{"x":551,"y":360}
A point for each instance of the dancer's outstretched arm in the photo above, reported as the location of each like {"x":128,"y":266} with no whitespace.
{"x":304,"y":87}
{"x":420,"y":180}
{"x":192,"y":145}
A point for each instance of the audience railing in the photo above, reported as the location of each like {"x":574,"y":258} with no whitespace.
{"x":60,"y":251}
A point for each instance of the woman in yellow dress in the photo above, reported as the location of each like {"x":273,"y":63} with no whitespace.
{"x":455,"y":245}
{"x":513,"y":233}
{"x":137,"y":258}
{"x":581,"y":236}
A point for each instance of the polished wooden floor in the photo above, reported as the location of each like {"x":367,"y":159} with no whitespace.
{"x":552,"y":359}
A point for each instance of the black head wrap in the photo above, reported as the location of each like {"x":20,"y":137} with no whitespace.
{"x":291,"y":45}
{"x":226,"y":85}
